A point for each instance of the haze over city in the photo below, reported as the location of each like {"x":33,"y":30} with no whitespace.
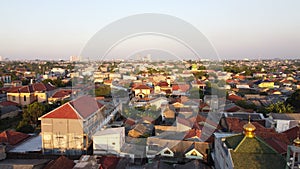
{"x":55,"y":30}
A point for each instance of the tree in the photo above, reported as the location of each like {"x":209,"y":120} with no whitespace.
{"x":24,"y":127}
{"x":280,"y":107}
{"x":103,"y":90}
{"x":33,"y":112}
{"x":294,"y":100}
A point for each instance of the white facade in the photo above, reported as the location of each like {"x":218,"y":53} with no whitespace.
{"x":109,"y":141}
{"x":283,"y":125}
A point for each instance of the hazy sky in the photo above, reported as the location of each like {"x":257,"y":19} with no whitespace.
{"x":238,"y":29}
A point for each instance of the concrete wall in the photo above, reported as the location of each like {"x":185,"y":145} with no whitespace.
{"x":62,"y":133}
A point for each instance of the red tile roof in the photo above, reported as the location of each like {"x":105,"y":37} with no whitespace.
{"x":162,"y":84}
{"x":142,"y":86}
{"x":42,"y":87}
{"x":278,"y":141}
{"x":181,"y":87}
{"x":61,"y":93}
{"x":83,"y":106}
{"x":12,"y":137}
{"x":292,"y":133}
{"x":60,"y":162}
{"x":31,"y":88}
{"x":64,"y":111}
{"x":109,"y":162}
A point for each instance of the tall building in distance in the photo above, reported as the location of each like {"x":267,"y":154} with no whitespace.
{"x":74,"y":58}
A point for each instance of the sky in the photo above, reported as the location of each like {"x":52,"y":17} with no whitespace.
{"x":57,"y":29}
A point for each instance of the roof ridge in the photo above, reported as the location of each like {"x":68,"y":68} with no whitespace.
{"x":75,"y":110}
{"x":241,"y":142}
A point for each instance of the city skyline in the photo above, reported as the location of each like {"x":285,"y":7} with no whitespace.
{"x":57,"y":30}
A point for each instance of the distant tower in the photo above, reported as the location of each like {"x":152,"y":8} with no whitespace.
{"x":74,"y":58}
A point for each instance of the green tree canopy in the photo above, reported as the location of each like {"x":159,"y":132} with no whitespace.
{"x":294,"y":100}
{"x":280,"y":107}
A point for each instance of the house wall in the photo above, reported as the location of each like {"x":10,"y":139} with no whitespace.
{"x":41,"y":97}
{"x":62,"y":133}
{"x":109,"y":143}
{"x":19,"y":98}
{"x":222,"y":155}
{"x":144,"y":91}
{"x":282,"y":125}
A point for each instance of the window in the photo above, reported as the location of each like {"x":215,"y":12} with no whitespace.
{"x":113,"y":143}
{"x":24,"y":98}
{"x":14,"y":98}
{"x":167,"y":152}
{"x":194,"y":153}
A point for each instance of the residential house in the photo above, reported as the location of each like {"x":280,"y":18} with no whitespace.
{"x":142,"y":91}
{"x":69,"y":128}
{"x":109,"y":141}
{"x":26,"y":95}
{"x":170,"y":148}
{"x":61,"y":95}
{"x":284,"y":121}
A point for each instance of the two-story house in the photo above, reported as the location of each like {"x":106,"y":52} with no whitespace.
{"x":69,"y":128}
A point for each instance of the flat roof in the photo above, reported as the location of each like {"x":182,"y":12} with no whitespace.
{"x":33,"y":144}
{"x":116,"y":130}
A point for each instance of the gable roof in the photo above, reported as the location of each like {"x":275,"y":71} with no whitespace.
{"x":36,"y":87}
{"x":42,"y":87}
{"x":82,"y":107}
{"x":61,"y":93}
{"x":142,"y":86}
{"x":12,"y":137}
{"x":60,"y":162}
{"x":64,"y":111}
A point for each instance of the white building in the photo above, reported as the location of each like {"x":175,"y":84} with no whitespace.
{"x":109,"y":141}
{"x":284,"y":121}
